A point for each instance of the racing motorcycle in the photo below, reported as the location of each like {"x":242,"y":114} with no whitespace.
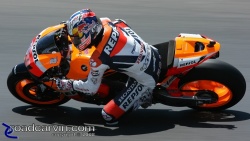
{"x":190,"y":76}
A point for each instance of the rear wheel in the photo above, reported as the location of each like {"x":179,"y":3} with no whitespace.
{"x":25,"y":89}
{"x":219,"y":77}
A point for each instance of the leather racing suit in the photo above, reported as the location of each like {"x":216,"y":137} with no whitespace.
{"x":121,"y":49}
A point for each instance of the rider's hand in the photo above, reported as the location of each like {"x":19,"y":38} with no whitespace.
{"x":64,"y":84}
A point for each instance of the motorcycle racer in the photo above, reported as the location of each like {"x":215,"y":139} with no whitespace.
{"x":118,"y":48}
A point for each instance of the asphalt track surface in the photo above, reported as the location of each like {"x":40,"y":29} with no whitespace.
{"x":227,"y":21}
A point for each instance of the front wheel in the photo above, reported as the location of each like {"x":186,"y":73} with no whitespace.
{"x":219,"y":77}
{"x":25,"y":89}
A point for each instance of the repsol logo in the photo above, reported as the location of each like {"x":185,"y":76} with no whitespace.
{"x":34,"y":52}
{"x":130,"y":89}
{"x":112,"y":42}
{"x":132,"y":96}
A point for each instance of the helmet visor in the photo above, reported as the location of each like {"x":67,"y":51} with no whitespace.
{"x":75,"y":40}
{"x":81,"y":43}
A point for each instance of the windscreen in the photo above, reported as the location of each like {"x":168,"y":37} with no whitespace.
{"x":47,"y":45}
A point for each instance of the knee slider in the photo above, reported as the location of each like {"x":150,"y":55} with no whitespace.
{"x":107,"y":117}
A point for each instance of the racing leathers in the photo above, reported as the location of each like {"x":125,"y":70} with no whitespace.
{"x":121,"y":49}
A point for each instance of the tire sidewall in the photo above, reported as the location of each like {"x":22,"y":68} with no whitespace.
{"x":12,"y":81}
{"x":221,"y":72}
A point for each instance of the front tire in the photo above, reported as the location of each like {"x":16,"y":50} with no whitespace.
{"x":217,"y":76}
{"x":23,"y":88}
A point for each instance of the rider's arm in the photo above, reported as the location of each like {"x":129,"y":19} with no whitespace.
{"x":91,"y":85}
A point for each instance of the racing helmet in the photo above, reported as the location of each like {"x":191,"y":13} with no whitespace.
{"x":83,"y":27}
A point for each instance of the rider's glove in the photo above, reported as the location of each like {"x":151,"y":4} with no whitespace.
{"x":64,"y":84}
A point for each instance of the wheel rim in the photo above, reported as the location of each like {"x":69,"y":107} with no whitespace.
{"x":32,"y":93}
{"x":224,"y":93}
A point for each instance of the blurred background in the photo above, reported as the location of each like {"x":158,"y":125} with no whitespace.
{"x":226,"y":21}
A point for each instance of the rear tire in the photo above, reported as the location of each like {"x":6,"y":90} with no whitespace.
{"x":23,"y":92}
{"x":221,"y":73}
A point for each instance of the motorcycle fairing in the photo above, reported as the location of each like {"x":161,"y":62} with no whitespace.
{"x":191,"y":50}
{"x":43,"y":52}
